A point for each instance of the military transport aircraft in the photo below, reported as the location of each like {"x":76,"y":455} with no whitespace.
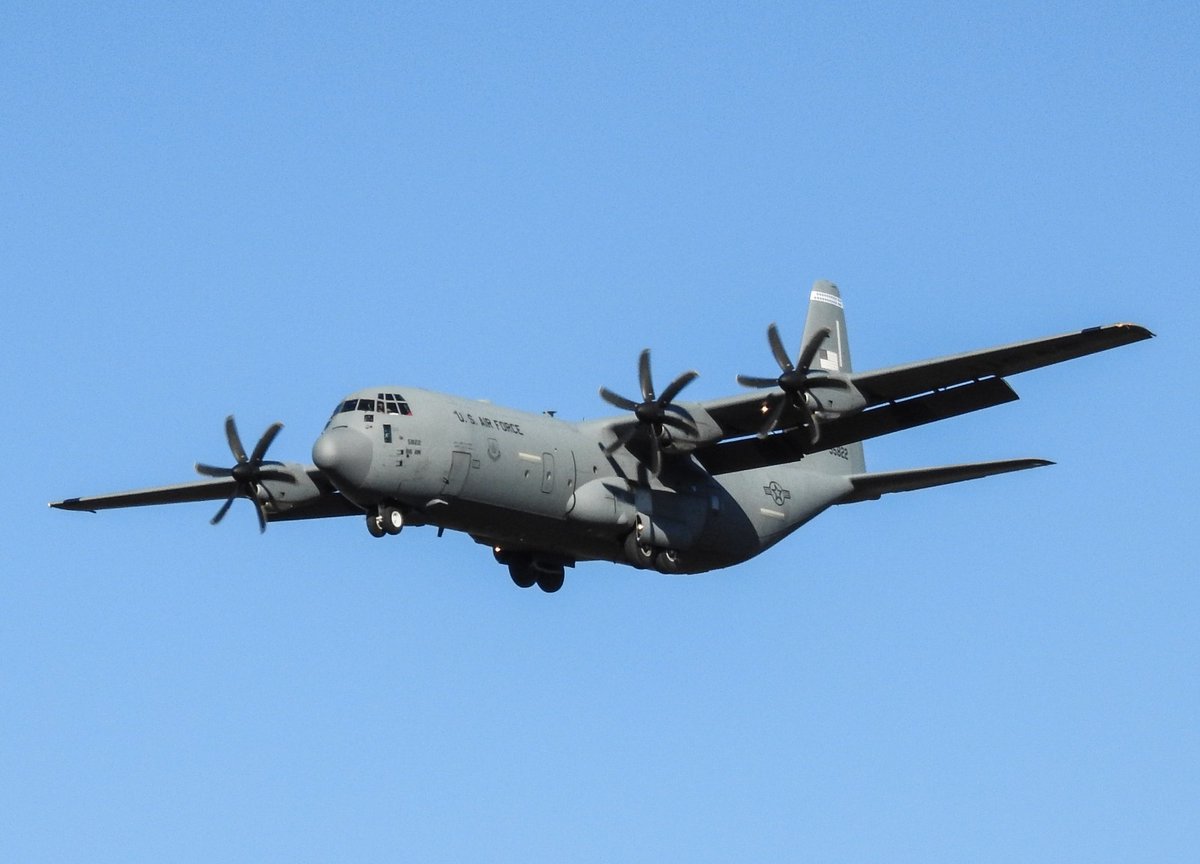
{"x":677,"y":487}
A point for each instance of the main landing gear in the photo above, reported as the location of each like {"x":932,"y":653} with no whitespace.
{"x":385,"y":519}
{"x":646,"y":557}
{"x":527,"y":570}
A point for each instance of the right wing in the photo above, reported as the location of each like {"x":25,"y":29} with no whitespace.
{"x":180,"y":493}
{"x":309,"y":496}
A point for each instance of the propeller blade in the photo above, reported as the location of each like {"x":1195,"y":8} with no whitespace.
{"x":644,"y":379}
{"x":814,"y":429}
{"x":260,"y":449}
{"x":811,"y":349}
{"x":781,"y":355}
{"x":616,"y":400}
{"x":655,"y":456}
{"x":810,"y":419}
{"x":773,"y":417}
{"x":273,"y":474}
{"x":224,"y":508}
{"x":625,"y":436}
{"x":235,"y":442}
{"x":680,"y":411}
{"x":213,"y":471}
{"x":677,"y":423}
{"x":262,"y":516}
{"x":675,"y":386}
{"x":757,"y":383}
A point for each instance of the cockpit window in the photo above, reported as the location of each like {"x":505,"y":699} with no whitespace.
{"x":386,"y":403}
{"x":392,"y":403}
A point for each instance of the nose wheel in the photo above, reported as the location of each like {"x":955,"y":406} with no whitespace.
{"x":385,"y":520}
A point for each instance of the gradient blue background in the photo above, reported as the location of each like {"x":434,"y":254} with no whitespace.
{"x":256,"y":208}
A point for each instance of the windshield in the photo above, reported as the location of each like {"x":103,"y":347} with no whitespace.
{"x":383,"y":403}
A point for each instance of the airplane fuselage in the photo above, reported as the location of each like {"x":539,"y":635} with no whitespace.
{"x":533,"y":483}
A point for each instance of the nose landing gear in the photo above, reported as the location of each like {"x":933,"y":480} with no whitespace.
{"x":385,"y":519}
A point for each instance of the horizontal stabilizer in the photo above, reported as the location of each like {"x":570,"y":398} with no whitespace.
{"x":869,"y":487}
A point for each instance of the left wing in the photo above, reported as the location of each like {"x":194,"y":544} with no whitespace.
{"x":898,"y":397}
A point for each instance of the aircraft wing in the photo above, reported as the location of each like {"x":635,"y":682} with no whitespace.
{"x":180,"y":493}
{"x":898,"y":397}
{"x":310,"y":497}
{"x":912,"y":379}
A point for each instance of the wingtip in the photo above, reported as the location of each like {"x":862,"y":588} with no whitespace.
{"x":1138,"y":329}
{"x":71,"y":504}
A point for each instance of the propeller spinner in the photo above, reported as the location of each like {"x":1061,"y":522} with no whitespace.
{"x":653,"y":414}
{"x":249,"y":472}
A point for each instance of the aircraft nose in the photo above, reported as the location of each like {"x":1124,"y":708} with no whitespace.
{"x":344,"y":455}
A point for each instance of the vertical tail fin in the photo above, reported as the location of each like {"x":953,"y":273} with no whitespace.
{"x":825,"y":310}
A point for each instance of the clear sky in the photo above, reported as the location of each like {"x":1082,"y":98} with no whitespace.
{"x":258,"y":207}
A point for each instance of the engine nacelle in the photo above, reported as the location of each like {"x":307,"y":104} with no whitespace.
{"x":285,"y":495}
{"x":608,"y":502}
{"x":837,"y":399}
{"x":661,"y":518}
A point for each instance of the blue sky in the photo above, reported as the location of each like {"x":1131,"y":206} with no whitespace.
{"x":255,"y":208}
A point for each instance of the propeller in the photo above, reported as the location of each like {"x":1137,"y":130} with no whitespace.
{"x":796,"y":382}
{"x":249,"y":472}
{"x":652,"y":413}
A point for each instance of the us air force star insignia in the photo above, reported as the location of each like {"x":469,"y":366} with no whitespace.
{"x":777,"y":493}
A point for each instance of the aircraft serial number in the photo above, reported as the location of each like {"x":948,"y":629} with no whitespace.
{"x":840,"y":452}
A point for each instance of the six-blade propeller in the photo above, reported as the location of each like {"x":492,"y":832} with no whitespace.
{"x":797,"y":383}
{"x":249,"y":472}
{"x":653,"y":414}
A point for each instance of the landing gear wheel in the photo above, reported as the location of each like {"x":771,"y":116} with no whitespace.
{"x":522,"y":574}
{"x":392,"y":519}
{"x":375,"y":525}
{"x":667,"y":561}
{"x":638,"y":554}
{"x":550,"y":580}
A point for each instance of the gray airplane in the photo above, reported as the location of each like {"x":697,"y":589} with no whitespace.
{"x":676,"y":487}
